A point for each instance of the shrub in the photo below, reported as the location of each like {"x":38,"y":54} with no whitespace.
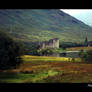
{"x":48,"y":51}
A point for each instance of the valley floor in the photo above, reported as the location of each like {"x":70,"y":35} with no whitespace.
{"x":48,"y":70}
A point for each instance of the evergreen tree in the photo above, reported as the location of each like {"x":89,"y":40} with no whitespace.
{"x":86,"y":41}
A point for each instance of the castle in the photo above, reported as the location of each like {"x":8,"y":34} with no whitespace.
{"x":52,"y":43}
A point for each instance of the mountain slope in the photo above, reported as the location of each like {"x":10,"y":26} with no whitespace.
{"x":43,"y":24}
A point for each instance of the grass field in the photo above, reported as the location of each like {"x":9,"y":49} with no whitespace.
{"x":45,"y":58}
{"x":37,"y":69}
{"x":79,"y":48}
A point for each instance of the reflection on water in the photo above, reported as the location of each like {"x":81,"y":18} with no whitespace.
{"x":70,"y":54}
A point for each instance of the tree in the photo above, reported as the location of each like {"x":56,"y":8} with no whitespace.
{"x":10,"y":52}
{"x":86,"y":55}
{"x":86,"y":41}
{"x":31,"y":49}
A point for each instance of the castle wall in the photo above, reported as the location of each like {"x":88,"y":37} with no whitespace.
{"x":53,"y":43}
{"x":57,"y":44}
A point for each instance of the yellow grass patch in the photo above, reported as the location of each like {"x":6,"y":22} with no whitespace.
{"x":46,"y":58}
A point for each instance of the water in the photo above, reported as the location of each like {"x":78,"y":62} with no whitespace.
{"x":70,"y":54}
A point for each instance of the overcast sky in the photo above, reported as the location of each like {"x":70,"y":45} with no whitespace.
{"x":77,"y":11}
{"x":84,"y":15}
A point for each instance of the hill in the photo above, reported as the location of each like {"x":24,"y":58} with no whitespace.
{"x":29,"y":25}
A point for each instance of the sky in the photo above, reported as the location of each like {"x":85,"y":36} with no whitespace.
{"x":84,"y":15}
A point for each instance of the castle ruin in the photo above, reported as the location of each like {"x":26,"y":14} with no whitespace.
{"x":52,"y":43}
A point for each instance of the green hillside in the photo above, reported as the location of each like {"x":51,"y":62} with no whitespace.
{"x":43,"y":24}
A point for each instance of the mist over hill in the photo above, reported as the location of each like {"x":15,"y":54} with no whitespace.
{"x":30,"y":25}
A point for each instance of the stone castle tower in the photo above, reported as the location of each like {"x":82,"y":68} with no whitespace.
{"x":53,"y":43}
